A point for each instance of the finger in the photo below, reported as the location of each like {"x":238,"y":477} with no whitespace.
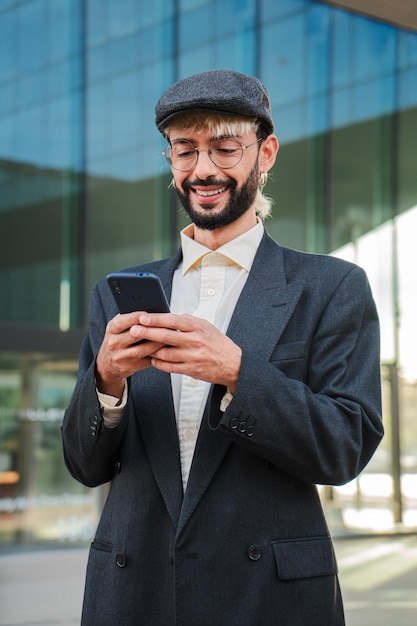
{"x":163,"y":336}
{"x":145,"y":349}
{"x":169,"y":320}
{"x":170,"y":354}
{"x":122,"y":322}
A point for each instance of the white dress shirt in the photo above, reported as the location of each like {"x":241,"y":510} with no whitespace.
{"x":206,"y":284}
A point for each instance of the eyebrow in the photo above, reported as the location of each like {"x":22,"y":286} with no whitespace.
{"x":219,"y":137}
{"x":215,"y":138}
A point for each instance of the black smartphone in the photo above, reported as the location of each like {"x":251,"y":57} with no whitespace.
{"x":141,"y":291}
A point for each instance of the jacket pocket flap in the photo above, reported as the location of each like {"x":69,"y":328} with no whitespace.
{"x":305,"y":558}
{"x":289,"y":351}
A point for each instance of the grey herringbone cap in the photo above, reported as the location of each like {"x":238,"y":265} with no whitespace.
{"x":222,"y":91}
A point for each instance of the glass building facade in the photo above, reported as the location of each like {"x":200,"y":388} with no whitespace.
{"x":84,"y":190}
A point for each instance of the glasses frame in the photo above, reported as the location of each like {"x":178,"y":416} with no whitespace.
{"x":198,"y":150}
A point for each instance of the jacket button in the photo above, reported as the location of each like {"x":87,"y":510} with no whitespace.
{"x":121,"y":560}
{"x":118,"y":467}
{"x":234,"y":423}
{"x":242,"y":427}
{"x":254,"y":553}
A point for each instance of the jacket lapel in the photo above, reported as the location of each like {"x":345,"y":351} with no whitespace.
{"x":156,"y":420}
{"x":266,"y":302}
{"x":209,"y":452}
{"x":261,"y":315}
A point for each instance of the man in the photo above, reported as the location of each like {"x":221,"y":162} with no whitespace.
{"x":261,"y":382}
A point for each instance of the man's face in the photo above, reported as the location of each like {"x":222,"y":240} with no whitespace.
{"x":211,"y":196}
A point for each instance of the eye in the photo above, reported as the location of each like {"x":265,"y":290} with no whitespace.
{"x":226,"y":147}
{"x":183,"y":150}
{"x":184,"y":153}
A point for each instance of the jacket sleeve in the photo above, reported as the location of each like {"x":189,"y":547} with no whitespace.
{"x":90,"y":449}
{"x":315,"y":410}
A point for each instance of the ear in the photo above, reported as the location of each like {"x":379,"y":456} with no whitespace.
{"x":268,"y":153}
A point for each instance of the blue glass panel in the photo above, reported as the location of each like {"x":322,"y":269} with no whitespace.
{"x":407,"y":95}
{"x":8,"y":98}
{"x":319,"y":57}
{"x":57,"y":80}
{"x":124,"y":120}
{"x":151,"y":13}
{"x":96,"y":22}
{"x":8,"y":138}
{"x":31,"y":89}
{"x":190,"y":32}
{"x":57,"y":133}
{"x":30,"y":136}
{"x":126,"y":166}
{"x":151,"y":83}
{"x":407,"y":48}
{"x":374,"y":48}
{"x":121,"y":112}
{"x":342,"y":107}
{"x":237,"y":52}
{"x":122,"y":17}
{"x":155,"y":42}
{"x":63,"y":125}
{"x":31,"y":35}
{"x":364,"y":101}
{"x":152,"y":163}
{"x":130,"y":165}
{"x":283,"y":60}
{"x":64,"y":25}
{"x":373,"y":98}
{"x":75,"y":129}
{"x":64,"y":76}
{"x":97,"y":120}
{"x":342,"y":40}
{"x":291,"y":122}
{"x":97,"y":63}
{"x":8,"y":57}
{"x":278,"y":8}
{"x":234,"y":16}
{"x":122,"y":54}
{"x":318,"y":115}
{"x":199,"y":59}
{"x":187,"y":5}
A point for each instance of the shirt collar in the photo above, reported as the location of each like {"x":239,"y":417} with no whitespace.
{"x":241,"y":251}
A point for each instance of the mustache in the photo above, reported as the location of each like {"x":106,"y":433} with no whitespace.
{"x":207,"y":182}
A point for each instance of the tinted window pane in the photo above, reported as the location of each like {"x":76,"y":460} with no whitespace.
{"x":281,"y":8}
{"x":374,"y":50}
{"x":283,"y":60}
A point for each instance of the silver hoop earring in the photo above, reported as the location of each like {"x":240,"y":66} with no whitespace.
{"x":263,"y":179}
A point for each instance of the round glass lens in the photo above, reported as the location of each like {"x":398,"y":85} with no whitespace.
{"x":225,"y":153}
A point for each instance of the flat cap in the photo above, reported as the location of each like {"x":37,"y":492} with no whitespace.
{"x":221,"y":91}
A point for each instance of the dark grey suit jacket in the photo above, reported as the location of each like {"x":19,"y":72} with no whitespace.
{"x":248,"y":544}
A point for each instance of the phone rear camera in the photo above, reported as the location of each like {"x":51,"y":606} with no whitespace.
{"x":116,"y":288}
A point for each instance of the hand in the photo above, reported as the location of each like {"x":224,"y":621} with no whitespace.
{"x":192,"y":346}
{"x":121,"y":355}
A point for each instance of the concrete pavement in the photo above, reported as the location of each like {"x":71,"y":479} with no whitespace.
{"x":42,"y":587}
{"x":378,"y":575}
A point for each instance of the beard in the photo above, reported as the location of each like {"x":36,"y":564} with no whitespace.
{"x":239,"y":202}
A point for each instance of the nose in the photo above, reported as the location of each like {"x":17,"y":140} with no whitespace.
{"x":205,"y":166}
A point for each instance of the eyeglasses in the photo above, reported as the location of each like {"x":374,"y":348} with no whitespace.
{"x":225,"y":153}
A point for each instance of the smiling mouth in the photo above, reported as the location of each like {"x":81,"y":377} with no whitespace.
{"x":208,"y":193}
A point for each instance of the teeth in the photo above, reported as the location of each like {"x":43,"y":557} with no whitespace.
{"x":214,"y":192}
